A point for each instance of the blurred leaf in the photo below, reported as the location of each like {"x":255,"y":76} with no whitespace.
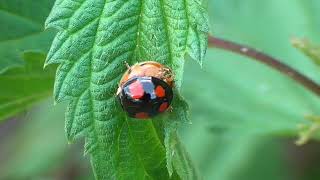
{"x":34,"y":150}
{"x":96,"y":37}
{"x":252,"y":99}
{"x":233,"y":92}
{"x":22,"y":29}
{"x":228,"y":155}
{"x":235,"y":100}
{"x":23,"y":86}
{"x":309,"y":49}
{"x":264,"y":160}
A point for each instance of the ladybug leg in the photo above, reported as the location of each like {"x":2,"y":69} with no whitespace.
{"x":126,"y":63}
{"x":171,"y":109}
{"x":118,"y":91}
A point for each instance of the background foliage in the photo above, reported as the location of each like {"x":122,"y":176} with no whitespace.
{"x":245,"y":116}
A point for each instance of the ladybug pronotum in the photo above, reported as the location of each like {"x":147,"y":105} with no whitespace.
{"x":145,"y":89}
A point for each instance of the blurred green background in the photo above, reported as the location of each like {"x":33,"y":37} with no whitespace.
{"x":245,"y":115}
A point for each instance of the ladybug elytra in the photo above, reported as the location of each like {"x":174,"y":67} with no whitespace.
{"x":145,"y":89}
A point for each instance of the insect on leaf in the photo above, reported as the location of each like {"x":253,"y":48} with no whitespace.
{"x":95,"y":38}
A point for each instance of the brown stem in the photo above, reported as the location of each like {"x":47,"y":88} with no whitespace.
{"x":265,"y":59}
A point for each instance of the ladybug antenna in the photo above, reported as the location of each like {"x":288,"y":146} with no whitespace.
{"x":126,"y":63}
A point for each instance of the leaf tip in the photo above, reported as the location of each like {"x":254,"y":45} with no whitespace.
{"x":201,"y":64}
{"x":45,"y":65}
{"x":47,"y":62}
{"x":308,"y":131}
{"x":69,"y":136}
{"x":47,"y":23}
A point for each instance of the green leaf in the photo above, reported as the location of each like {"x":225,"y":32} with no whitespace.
{"x":230,"y":155}
{"x":23,"y":86}
{"x":96,"y":37}
{"x":181,"y":160}
{"x":22,"y":29}
{"x":235,"y":96}
{"x":177,"y":157}
{"x":309,"y":49}
{"x":25,"y":151}
{"x":234,"y":92}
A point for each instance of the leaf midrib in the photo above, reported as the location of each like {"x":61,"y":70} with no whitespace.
{"x":92,"y":103}
{"x":163,"y":14}
{"x":188,"y":21}
{"x":135,"y":149}
{"x":138,"y":30}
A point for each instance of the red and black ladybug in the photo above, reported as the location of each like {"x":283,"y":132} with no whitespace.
{"x":145,"y":89}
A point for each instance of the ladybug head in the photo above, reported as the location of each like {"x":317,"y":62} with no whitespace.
{"x":148,"y":69}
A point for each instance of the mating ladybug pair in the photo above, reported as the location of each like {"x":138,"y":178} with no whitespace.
{"x":145,"y":89}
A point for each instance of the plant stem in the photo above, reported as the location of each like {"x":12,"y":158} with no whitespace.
{"x":265,"y":59}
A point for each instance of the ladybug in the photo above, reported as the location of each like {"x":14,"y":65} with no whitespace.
{"x":145,"y":89}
